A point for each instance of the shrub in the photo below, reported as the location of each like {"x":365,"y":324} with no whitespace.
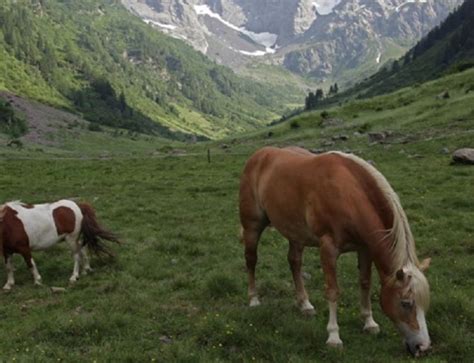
{"x":364,"y":127}
{"x":10,"y":122}
{"x":294,"y":124}
{"x":94,"y":127}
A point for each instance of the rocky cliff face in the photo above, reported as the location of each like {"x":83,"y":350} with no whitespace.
{"x":319,"y":38}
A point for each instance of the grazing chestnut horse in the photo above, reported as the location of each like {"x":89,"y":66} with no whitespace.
{"x":339,"y":203}
{"x":25,"y":228}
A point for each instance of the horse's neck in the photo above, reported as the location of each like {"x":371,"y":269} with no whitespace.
{"x":380,"y":251}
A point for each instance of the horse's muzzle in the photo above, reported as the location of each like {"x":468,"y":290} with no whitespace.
{"x":417,"y":350}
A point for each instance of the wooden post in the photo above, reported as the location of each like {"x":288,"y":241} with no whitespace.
{"x":209,"y":156}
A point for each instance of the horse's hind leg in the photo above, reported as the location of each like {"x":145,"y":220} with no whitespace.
{"x":10,"y":278}
{"x":365,"y":270}
{"x":75,"y":245}
{"x":86,"y":267}
{"x":32,"y":266}
{"x":295,"y":256}
{"x":329,"y":255}
{"x":250,"y":237}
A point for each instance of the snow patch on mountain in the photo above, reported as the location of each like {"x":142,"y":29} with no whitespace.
{"x":161,"y":25}
{"x":325,"y":7}
{"x":397,"y":9}
{"x":266,"y":39}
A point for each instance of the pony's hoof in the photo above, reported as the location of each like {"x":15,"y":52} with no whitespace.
{"x":38,"y":283}
{"x":254,"y":301}
{"x":7,"y":287}
{"x":334,"y":343}
{"x":372,"y":329}
{"x":72,"y":280}
{"x":86,"y":271}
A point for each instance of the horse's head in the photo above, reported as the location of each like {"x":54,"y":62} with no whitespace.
{"x":405,"y":299}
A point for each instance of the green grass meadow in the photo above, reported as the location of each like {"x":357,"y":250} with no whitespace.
{"x":177,"y":288}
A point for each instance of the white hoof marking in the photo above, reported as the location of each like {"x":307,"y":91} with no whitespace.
{"x":254,"y":301}
{"x":334,"y":342}
{"x":372,"y":328}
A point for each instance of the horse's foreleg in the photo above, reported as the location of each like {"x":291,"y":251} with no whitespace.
{"x":10,"y":278}
{"x":250,"y":239}
{"x":74,"y":243}
{"x":32,"y":266}
{"x":295,"y":256}
{"x":329,"y":255}
{"x":365,"y":271}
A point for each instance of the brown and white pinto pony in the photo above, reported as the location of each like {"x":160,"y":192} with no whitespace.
{"x":339,"y":203}
{"x":25,"y":228}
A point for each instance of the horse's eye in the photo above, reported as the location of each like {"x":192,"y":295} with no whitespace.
{"x":407,"y":304}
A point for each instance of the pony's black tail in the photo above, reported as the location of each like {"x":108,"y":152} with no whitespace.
{"x":93,"y":233}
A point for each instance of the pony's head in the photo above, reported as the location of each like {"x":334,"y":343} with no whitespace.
{"x":405,"y":299}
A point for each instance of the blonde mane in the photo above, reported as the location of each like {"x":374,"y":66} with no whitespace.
{"x":403,"y":244}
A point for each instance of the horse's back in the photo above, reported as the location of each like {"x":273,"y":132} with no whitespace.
{"x":306,"y":196}
{"x":45,"y":224}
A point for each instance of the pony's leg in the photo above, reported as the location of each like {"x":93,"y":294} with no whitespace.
{"x":295,"y":254}
{"x":10,"y":278}
{"x":365,"y":270}
{"x":86,"y":267}
{"x":329,"y":255}
{"x":75,"y":245}
{"x":32,"y":266}
{"x":250,"y":237}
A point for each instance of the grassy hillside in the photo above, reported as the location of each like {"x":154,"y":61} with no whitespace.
{"x":96,"y":59}
{"x":177,"y":291}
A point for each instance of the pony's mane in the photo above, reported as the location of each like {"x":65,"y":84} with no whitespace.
{"x":403,"y":245}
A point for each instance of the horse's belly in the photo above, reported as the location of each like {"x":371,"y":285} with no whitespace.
{"x":44,"y":241}
{"x":298,"y":233}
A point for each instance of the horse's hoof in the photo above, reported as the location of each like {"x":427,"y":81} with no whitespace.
{"x":38,"y":283}
{"x":372,"y":329}
{"x":254,"y":301}
{"x":334,"y":343}
{"x":306,"y":308}
{"x":72,"y":280}
{"x":308,"y":312}
{"x":7,"y":288}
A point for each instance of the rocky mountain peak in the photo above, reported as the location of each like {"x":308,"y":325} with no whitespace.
{"x":309,"y":37}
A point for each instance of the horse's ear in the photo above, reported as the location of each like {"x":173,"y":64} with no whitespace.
{"x":400,"y":275}
{"x":425,"y":264}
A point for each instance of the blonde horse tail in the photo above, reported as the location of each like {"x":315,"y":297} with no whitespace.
{"x":93,"y":233}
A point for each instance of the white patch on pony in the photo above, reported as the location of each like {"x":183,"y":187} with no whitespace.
{"x":39,"y":222}
{"x":10,"y":279}
{"x":34,"y":271}
{"x":254,"y":301}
